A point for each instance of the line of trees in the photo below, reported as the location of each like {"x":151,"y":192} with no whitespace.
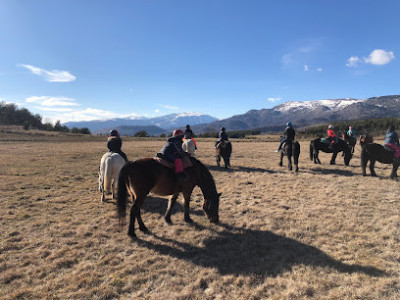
{"x":375,"y":127}
{"x":10,"y":114}
{"x":231,"y":134}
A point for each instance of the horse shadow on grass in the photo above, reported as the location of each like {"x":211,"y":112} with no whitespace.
{"x":239,"y":169}
{"x":247,"y":252}
{"x":330,"y":171}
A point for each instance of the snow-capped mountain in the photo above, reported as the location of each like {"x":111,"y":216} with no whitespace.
{"x":164,"y":123}
{"x":309,"y":113}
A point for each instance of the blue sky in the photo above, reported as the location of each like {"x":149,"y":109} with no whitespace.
{"x":81,"y":60}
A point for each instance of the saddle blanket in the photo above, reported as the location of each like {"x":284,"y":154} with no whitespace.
{"x":186,"y":162}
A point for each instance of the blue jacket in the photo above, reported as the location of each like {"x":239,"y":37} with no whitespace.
{"x":392,"y":137}
{"x":173,"y":148}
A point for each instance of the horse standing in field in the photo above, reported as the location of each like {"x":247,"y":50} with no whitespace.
{"x":324,"y":145}
{"x":110,"y":165}
{"x":350,"y":140}
{"x":291,"y":148}
{"x":189,"y":146}
{"x":373,"y":152}
{"x":140,"y":177}
{"x":224,"y":150}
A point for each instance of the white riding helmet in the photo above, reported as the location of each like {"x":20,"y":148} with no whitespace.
{"x":330,"y":126}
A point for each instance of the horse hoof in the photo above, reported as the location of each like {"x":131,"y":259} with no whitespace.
{"x":188,"y":220}
{"x":132,"y":235}
{"x":143,"y":229}
{"x":168,"y":221}
{"x":280,"y":164}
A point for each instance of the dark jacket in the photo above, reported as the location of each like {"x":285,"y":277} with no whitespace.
{"x":289,"y":133}
{"x":391,"y":137}
{"x":114,"y":144}
{"x":173,"y":148}
{"x":222,"y":136}
{"x":188,"y":134}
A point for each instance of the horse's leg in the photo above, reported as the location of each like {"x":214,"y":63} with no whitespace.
{"x":186,"y":202}
{"x":171,"y":203}
{"x":393,"y":175}
{"x":131,"y":230}
{"x":371,"y":167}
{"x":142,"y":227}
{"x":289,"y":157}
{"x":333,"y":159}
{"x":218,"y":160}
{"x":280,"y":162}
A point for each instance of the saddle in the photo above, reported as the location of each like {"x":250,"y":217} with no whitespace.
{"x":222,"y":144}
{"x":186,"y":162}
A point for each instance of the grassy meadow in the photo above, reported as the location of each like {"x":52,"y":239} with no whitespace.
{"x":324,"y":233}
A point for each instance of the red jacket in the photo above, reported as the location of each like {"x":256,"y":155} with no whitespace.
{"x":331,"y":133}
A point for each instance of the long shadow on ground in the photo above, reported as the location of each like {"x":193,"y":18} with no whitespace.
{"x":239,"y":169}
{"x":252,"y":252}
{"x":330,"y":171}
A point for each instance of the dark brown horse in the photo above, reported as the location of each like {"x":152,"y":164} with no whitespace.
{"x":140,"y":177}
{"x":373,"y":152}
{"x":291,"y":148}
{"x":350,"y":140}
{"x":224,"y":150}
{"x":324,"y":145}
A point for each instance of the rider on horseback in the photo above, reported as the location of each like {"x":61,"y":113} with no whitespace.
{"x":331,"y":136}
{"x":114,"y":144}
{"x":173,"y":152}
{"x":392,"y":141}
{"x":351,"y":133}
{"x":288,"y":135}
{"x":222,"y":136}
{"x":189,"y":135}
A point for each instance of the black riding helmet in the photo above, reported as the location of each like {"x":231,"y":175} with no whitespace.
{"x":114,"y":133}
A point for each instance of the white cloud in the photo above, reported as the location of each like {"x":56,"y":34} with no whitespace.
{"x":157,"y":111}
{"x":353,"y":61}
{"x":379,"y":57}
{"x":50,"y":76}
{"x":55,"y":109}
{"x":271,"y":99}
{"x":306,"y":68}
{"x":376,"y":57}
{"x":319,"y":69}
{"x":169,"y":107}
{"x":52,"y":101}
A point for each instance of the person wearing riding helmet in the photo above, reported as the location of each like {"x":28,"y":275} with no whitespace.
{"x":222,"y":136}
{"x":331,"y":135}
{"x":392,"y":141}
{"x":114,"y":144}
{"x":189,"y":135}
{"x":288,"y":134}
{"x":173,"y":152}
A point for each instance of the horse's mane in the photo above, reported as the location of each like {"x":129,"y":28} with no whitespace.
{"x":205,"y":174}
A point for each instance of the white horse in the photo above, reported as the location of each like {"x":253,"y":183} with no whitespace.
{"x":110,"y":165}
{"x":189,"y":146}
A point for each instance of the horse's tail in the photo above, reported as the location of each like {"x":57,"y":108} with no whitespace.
{"x":122,"y":193}
{"x":107,"y":175}
{"x":311,"y":150}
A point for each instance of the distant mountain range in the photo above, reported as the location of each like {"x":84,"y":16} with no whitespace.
{"x":153,"y":126}
{"x":301,"y":114}
{"x":307,"y":113}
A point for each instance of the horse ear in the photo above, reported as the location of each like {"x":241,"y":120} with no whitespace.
{"x":219,"y":194}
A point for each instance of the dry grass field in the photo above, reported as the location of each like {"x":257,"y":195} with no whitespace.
{"x":324,"y":233}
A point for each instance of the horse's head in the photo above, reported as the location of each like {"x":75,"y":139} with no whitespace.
{"x":211,"y":206}
{"x":366,"y":139}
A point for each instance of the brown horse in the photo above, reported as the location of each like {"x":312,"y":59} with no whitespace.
{"x":224,"y":150}
{"x":140,"y":177}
